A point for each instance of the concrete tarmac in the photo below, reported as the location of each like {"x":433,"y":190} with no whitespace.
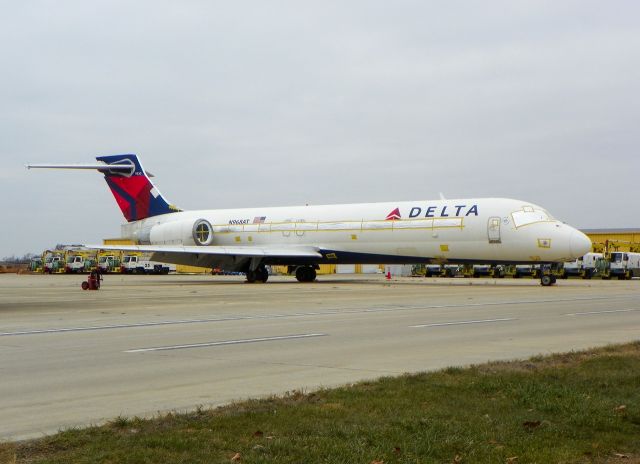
{"x":144,"y":344}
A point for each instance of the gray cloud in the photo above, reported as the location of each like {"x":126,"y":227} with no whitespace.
{"x":276,"y":103}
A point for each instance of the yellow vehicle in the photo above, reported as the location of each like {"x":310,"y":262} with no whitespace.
{"x":53,"y":261}
{"x":109,"y":262}
{"x":79,"y":261}
{"x":36,"y":264}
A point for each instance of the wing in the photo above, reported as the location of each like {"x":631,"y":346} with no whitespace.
{"x":244,"y":251}
{"x":228,"y":256}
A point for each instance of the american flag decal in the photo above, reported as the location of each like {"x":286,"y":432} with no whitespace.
{"x":259,"y":219}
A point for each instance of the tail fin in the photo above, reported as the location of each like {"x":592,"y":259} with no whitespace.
{"x":136,"y":195}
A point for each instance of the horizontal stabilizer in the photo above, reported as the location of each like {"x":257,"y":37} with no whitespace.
{"x":102,"y":167}
{"x":130,"y":185}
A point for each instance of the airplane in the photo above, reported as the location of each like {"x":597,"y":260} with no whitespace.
{"x":463,"y":231}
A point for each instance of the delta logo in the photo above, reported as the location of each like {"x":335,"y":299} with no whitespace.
{"x":394,"y":215}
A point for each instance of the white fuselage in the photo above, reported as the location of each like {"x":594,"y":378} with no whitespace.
{"x":490,"y":230}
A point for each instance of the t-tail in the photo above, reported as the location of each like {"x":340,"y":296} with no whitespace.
{"x":134,"y":192}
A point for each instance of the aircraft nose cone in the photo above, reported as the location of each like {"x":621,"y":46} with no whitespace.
{"x":580,"y":244}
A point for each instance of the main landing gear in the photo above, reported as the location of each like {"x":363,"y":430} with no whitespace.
{"x":305,"y":274}
{"x":259,"y":275}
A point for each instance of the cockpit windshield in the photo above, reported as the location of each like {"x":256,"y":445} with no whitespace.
{"x":530,"y":215}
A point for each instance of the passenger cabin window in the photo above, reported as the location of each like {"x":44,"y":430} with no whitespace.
{"x":529,"y":215}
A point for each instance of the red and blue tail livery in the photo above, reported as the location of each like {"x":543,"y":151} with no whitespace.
{"x":136,"y":195}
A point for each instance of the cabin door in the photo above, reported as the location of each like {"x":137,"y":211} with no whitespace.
{"x":493,"y":230}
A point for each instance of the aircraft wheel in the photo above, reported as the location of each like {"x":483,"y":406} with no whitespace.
{"x":546,"y":280}
{"x":305,"y":274}
{"x":261,"y":274}
{"x":251,"y":276}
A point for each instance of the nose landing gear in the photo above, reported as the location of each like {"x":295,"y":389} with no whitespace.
{"x":547,"y":276}
{"x":547,"y":280}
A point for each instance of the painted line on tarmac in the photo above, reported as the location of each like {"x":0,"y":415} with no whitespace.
{"x":591,"y":313}
{"x":327,"y":312}
{"x":482,"y":321}
{"x":226,"y":342}
{"x":119,"y":326}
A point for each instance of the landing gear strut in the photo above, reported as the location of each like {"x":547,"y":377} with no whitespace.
{"x":305,"y":274}
{"x":260,"y":274}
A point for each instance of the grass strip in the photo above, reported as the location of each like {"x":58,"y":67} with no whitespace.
{"x":579,"y":407}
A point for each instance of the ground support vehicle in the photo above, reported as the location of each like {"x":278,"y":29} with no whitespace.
{"x":136,"y":264}
{"x":36,"y":265}
{"x":484,"y":270}
{"x":450,"y":270}
{"x":498,"y":272}
{"x":53,"y":262}
{"x":526,"y":270}
{"x":79,"y":262}
{"x":623,"y":265}
{"x":432,"y":270}
{"x":585,"y":267}
{"x":110,"y":263}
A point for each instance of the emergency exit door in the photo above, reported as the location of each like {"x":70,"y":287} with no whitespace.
{"x":493,"y":230}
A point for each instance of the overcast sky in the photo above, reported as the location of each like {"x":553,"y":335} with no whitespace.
{"x":254,"y":103}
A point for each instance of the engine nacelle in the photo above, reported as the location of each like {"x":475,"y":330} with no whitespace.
{"x":185,"y":232}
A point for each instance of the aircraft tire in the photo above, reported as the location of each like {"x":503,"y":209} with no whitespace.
{"x":305,"y":274}
{"x":262,"y":275}
{"x":546,"y":280}
{"x":251,"y":276}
